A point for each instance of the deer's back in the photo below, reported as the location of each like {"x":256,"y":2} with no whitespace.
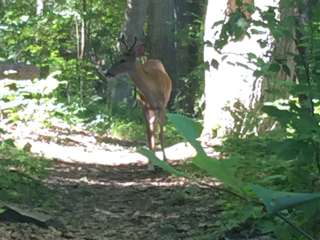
{"x":159,"y":79}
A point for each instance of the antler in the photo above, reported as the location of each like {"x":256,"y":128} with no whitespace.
{"x":125,"y":43}
{"x":134,"y":44}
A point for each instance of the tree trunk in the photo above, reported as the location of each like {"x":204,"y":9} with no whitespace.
{"x":161,"y":36}
{"x":40,"y":7}
{"x":231,"y":89}
{"x":284,"y":51}
{"x":44,"y":69}
{"x":135,"y":17}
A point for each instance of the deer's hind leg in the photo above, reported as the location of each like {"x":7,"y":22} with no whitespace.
{"x":150,"y":118}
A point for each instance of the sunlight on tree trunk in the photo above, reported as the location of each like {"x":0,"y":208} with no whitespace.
{"x":231,"y":90}
{"x":81,"y":44}
{"x":40,"y":7}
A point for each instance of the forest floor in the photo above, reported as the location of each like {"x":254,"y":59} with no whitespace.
{"x":103,"y":190}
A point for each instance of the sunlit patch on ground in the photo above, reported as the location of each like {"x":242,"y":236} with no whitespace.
{"x":103,"y":190}
{"x":84,"y":147}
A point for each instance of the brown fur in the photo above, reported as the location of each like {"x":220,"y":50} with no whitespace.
{"x":154,"y":85}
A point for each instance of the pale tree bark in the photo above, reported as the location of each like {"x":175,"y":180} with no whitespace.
{"x":81,"y":44}
{"x":231,"y":90}
{"x":135,"y":18}
{"x":161,"y":36}
{"x":40,"y":7}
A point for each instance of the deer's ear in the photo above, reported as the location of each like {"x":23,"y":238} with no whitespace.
{"x":139,"y":50}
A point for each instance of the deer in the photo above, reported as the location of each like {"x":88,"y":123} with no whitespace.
{"x":154,"y":89}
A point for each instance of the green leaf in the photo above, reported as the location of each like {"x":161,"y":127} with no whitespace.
{"x":283,"y":116}
{"x":287,"y":149}
{"x":275,"y":201}
{"x":160,"y":163}
{"x":274,"y":67}
{"x":189,"y":129}
{"x":214,"y":63}
{"x":223,"y":170}
{"x":286,"y":70}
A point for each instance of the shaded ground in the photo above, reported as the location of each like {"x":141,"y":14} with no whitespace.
{"x":101,"y":189}
{"x":99,"y":202}
{"x":96,"y":197}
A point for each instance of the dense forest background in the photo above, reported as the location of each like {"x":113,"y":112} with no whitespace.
{"x":245,"y":95}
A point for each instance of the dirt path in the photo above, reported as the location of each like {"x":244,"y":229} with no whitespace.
{"x":104,"y":191}
{"x":99,"y":202}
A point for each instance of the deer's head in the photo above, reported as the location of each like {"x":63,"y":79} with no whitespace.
{"x":127,"y":59}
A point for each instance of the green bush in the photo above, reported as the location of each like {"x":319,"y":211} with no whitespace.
{"x":21,"y":175}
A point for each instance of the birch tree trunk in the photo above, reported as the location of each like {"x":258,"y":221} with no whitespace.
{"x":231,"y":90}
{"x":40,"y":7}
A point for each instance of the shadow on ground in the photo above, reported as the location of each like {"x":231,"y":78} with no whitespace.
{"x":103,"y":190}
{"x":128,"y":202}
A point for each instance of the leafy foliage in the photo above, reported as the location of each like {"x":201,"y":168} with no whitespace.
{"x":51,"y":40}
{"x":26,"y":100}
{"x":21,"y":174}
{"x":225,"y":171}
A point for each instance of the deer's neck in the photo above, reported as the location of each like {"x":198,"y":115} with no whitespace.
{"x":144,"y":84}
{"x":139,"y":77}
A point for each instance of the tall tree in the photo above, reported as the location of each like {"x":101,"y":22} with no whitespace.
{"x":133,"y":27}
{"x":135,"y":18}
{"x":40,"y":7}
{"x":161,"y":35}
{"x":231,"y":89}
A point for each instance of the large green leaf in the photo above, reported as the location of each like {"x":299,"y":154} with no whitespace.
{"x":189,"y":129}
{"x":275,"y":201}
{"x":223,"y":170}
{"x":283,"y":116}
{"x":287,"y":149}
{"x":160,"y":163}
